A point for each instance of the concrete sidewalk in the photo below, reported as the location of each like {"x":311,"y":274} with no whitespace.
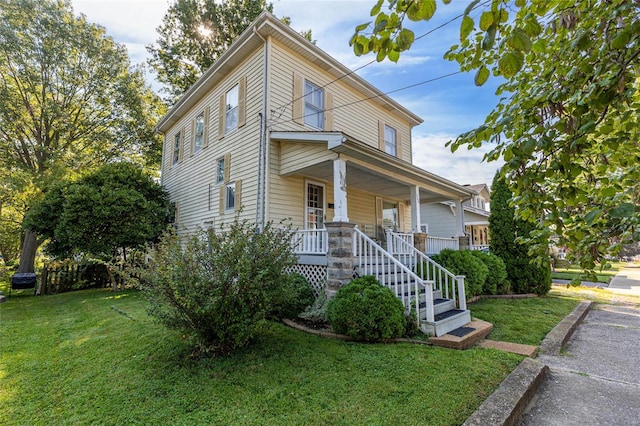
{"x":586,"y":374}
{"x":596,"y":380}
{"x":627,"y":281}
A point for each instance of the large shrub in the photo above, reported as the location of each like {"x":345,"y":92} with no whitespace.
{"x":217,"y":286}
{"x":508,"y":233}
{"x":291,"y":297}
{"x":366,"y":310}
{"x":496,"y":282}
{"x":463,"y":262}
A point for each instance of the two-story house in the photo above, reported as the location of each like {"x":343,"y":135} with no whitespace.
{"x":449,"y":226}
{"x":278,"y":129}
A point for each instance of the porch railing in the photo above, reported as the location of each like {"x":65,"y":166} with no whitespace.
{"x":395,"y":248}
{"x":451,"y":286}
{"x":436,"y":244}
{"x":371,"y":259}
{"x":310,"y":241}
{"x":480,"y":247}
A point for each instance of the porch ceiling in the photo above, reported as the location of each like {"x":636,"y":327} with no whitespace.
{"x":371,"y":170}
{"x":369,"y":180}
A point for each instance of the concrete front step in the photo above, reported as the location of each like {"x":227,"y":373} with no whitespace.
{"x":445,"y":322}
{"x":481,"y":329}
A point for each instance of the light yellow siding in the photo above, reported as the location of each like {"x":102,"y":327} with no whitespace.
{"x":351,"y":115}
{"x":192,"y":182}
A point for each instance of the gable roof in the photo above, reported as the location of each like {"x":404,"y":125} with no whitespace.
{"x":264,"y":26}
{"x":482,"y":189}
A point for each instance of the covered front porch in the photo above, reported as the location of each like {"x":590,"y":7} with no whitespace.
{"x":349,"y":181}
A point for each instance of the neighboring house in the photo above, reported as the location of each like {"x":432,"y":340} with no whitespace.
{"x":277,"y":129}
{"x":441,"y":221}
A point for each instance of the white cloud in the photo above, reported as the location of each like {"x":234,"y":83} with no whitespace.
{"x":463,"y":167}
{"x":130,"y":22}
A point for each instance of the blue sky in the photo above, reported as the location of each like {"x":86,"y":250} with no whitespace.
{"x":449,"y":106}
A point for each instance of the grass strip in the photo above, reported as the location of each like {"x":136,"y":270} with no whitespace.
{"x":78,"y":358}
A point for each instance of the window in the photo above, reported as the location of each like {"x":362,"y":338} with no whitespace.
{"x":176,"y":148}
{"x":231,"y":116}
{"x":220,"y":171}
{"x":230,"y":197}
{"x":313,"y":105}
{"x":198,"y":135}
{"x":390,"y":217}
{"x":390,"y":141}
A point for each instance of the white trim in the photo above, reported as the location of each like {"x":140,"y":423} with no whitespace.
{"x":308,"y":182}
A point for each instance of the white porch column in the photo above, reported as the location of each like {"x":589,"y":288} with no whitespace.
{"x":340,"y":190}
{"x":415,"y":209}
{"x":459,"y":219}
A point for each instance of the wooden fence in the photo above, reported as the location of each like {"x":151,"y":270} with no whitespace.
{"x":74,"y":276}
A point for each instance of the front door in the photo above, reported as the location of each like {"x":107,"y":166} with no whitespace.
{"x":314,"y":215}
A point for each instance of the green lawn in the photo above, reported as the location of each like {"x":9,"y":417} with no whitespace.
{"x":571,"y":272}
{"x":95,"y":357}
{"x":525,"y":321}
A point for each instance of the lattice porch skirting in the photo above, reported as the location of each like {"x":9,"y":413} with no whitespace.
{"x":316,"y":275}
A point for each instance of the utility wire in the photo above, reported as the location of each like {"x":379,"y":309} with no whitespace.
{"x":281,"y":108}
{"x":431,"y":80}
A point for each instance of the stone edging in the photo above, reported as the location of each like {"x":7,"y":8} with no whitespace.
{"x":557,"y":338}
{"x":508,"y":402}
{"x":331,"y":335}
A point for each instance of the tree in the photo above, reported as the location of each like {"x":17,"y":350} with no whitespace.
{"x":567,"y":125}
{"x":509,"y":241}
{"x":69,"y":100}
{"x":193,"y":35}
{"x":109,"y":211}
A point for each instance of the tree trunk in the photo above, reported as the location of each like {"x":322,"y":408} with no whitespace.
{"x":30,"y":245}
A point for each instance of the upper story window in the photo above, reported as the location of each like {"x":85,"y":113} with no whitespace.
{"x":390,"y":141}
{"x":313,"y":105}
{"x":231,"y":118}
{"x":230,"y":197}
{"x":198,"y":136}
{"x":220,"y":171}
{"x":176,"y":148}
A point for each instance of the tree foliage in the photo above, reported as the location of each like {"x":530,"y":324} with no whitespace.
{"x":509,"y":234}
{"x":117,"y":207}
{"x":567,"y":124}
{"x":193,"y":35}
{"x":69,"y":99}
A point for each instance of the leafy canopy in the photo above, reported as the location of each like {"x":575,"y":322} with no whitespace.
{"x":193,"y":35}
{"x":117,"y":207}
{"x":567,"y":122}
{"x":69,"y":101}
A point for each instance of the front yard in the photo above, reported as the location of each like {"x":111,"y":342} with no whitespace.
{"x":96,"y":357}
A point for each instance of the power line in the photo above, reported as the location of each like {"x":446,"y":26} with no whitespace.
{"x":431,"y":80}
{"x":282,"y":107}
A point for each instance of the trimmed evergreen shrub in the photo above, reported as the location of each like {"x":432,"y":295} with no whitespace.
{"x":293,"y":296}
{"x":525,"y":273}
{"x":365,"y":310}
{"x":496,"y":282}
{"x":463,"y":262}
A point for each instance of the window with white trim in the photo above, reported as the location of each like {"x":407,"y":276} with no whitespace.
{"x":176,"y":148}
{"x":220,"y":171}
{"x":198,"y":136}
{"x":313,"y":105}
{"x":230,"y":197}
{"x":231,"y":114}
{"x":390,"y":140}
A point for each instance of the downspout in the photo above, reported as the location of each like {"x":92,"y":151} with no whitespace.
{"x":261,"y":198}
